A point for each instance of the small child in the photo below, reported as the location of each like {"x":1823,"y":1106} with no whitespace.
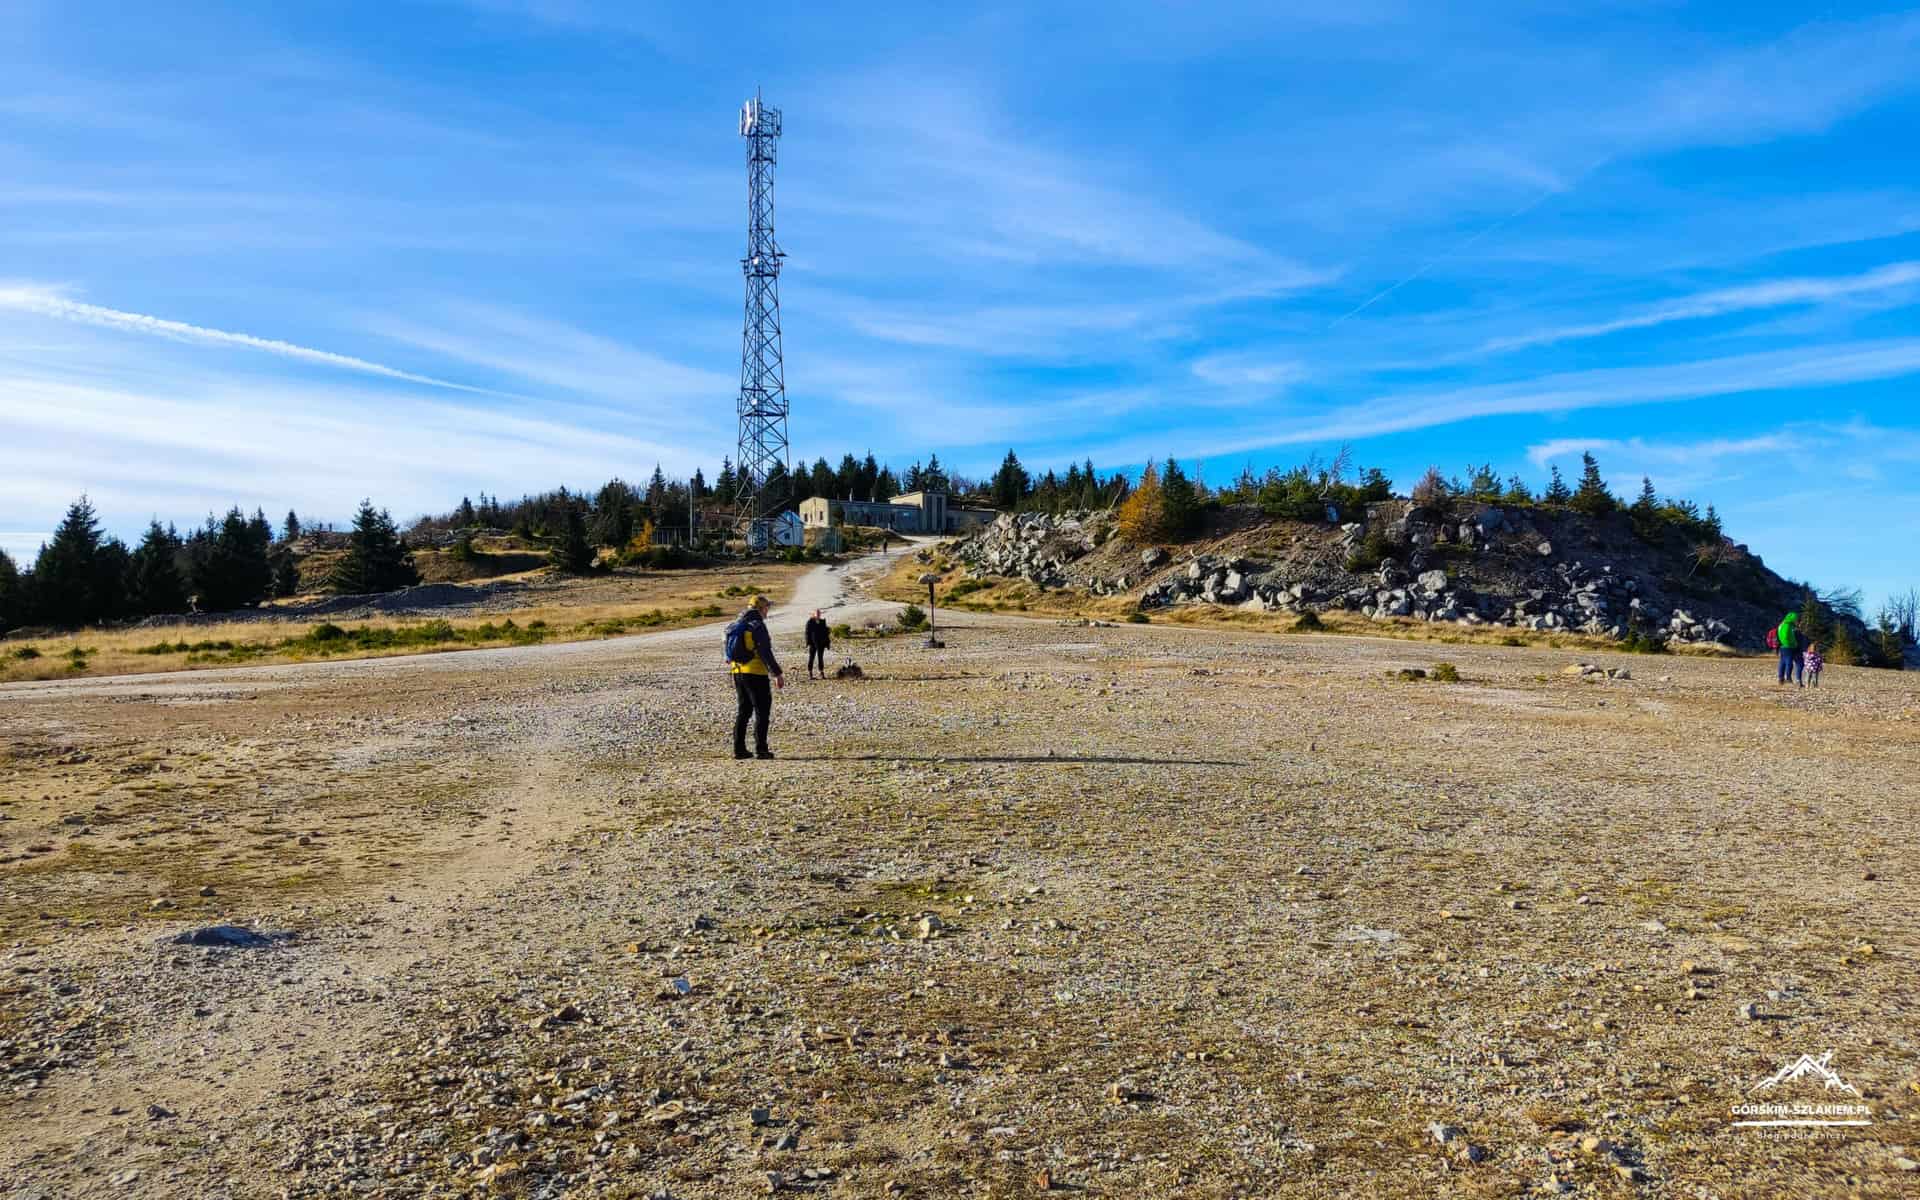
{"x":1814,"y":663}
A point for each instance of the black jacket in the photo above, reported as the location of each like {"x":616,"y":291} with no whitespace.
{"x":817,"y":634}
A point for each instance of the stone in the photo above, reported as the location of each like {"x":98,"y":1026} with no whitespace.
{"x":1443,"y":1133}
{"x":230,"y":936}
{"x":1152,"y":557}
{"x":1545,"y":549}
{"x":207,"y":890}
{"x":929,"y":927}
{"x":159,"y":904}
{"x":1433,"y":581}
{"x":1750,"y":1012}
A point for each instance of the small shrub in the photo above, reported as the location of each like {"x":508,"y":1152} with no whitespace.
{"x":1373,"y":549}
{"x":326,"y":631}
{"x":1309,"y":622}
{"x":842,"y":630}
{"x":1136,"y":617}
{"x":967,"y":587}
{"x":1638,"y":642}
{"x":912,"y":617}
{"x":1445,"y":672}
{"x":1513,"y":640}
{"x":26,"y":652}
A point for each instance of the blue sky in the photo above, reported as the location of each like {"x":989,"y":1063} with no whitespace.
{"x":293,"y":255}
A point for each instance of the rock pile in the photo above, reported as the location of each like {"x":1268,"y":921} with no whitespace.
{"x":1488,"y":567}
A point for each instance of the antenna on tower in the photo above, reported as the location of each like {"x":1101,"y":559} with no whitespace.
{"x":763,"y":390}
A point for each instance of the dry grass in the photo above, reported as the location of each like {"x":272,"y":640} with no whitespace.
{"x":563,"y":611}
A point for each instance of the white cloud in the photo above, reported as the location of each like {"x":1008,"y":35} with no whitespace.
{"x":1689,"y":454}
{"x":48,"y":303}
{"x":1241,"y":371}
{"x":1773,"y":293}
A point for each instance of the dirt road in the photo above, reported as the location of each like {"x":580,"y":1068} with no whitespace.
{"x":1130,"y":910}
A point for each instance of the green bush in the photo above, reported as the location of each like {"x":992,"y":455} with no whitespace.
{"x":1445,"y":672}
{"x":913,"y":617}
{"x":326,"y":631}
{"x":842,"y":630}
{"x":26,"y":652}
{"x":1309,"y":622}
{"x":1373,"y":549}
{"x":1136,"y":617}
{"x":967,"y":587}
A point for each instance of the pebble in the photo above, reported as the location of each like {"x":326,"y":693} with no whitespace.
{"x":1443,"y":1133}
{"x":1750,"y":1012}
{"x":159,"y":904}
{"x":207,"y":890}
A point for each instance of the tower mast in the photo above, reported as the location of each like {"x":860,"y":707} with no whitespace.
{"x":763,"y":390}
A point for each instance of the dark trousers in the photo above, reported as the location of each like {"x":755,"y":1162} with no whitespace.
{"x":756,"y":701}
{"x":1793,"y":663}
{"x":816,"y":654}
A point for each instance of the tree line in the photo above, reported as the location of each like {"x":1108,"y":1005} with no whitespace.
{"x":83,"y":576}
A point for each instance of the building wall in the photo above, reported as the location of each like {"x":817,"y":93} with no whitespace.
{"x":914,"y":512}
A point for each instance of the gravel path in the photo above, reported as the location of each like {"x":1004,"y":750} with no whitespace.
{"x":1137,"y":911}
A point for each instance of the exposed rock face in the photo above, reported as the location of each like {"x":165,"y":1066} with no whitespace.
{"x":1503,"y":566}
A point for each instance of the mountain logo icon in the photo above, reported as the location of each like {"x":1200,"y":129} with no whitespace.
{"x":1813,"y":1070}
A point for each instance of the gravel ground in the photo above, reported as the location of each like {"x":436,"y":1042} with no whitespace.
{"x":1129,"y":911}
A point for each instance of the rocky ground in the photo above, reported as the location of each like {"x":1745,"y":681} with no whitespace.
{"x":1123,"y":911}
{"x":1523,"y":568}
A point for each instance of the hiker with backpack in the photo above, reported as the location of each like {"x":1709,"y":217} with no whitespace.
{"x":1792,"y":655}
{"x":756,"y":672}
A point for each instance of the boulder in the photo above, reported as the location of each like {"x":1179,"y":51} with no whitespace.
{"x":1433,"y":581}
{"x":1152,"y":557}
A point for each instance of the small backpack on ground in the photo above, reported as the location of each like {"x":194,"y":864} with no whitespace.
{"x":1773,"y":638}
{"x":738,"y":652}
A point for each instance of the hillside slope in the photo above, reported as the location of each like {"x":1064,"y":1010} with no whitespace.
{"x":1522,"y":567}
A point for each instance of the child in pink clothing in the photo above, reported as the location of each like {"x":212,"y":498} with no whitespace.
{"x":1814,"y":663}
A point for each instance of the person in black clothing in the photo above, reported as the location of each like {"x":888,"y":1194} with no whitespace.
{"x":818,"y":640}
{"x":754,"y":681}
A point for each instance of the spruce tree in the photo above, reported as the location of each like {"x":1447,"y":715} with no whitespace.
{"x":885,"y":487}
{"x":155,"y":585}
{"x":846,"y":478}
{"x":230,"y":568}
{"x":464,"y":516}
{"x":1557,"y":491}
{"x":10,"y":593}
{"x":867,"y":486}
{"x":934,"y":478}
{"x":286,"y":573}
{"x":698,"y":486}
{"x":1010,"y":483}
{"x":1645,"y":511}
{"x":1181,"y":500}
{"x":914,"y":480}
{"x":572,"y":553}
{"x":1517,"y":491}
{"x":376,"y":559}
{"x":77,"y":580}
{"x":1592,"y":496}
{"x":726,"y":483}
{"x":822,"y":481}
{"x":290,"y":528}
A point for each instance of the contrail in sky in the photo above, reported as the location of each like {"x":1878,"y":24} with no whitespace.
{"x":46,"y":304}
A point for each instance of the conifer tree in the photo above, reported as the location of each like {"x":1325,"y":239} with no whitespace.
{"x":1592,"y":496}
{"x":155,"y":585}
{"x":572,"y":553}
{"x":11,"y":597}
{"x":79,"y":575}
{"x":1011,"y":483}
{"x":846,"y":477}
{"x":1557,"y":491}
{"x":885,"y":487}
{"x":726,"y":483}
{"x":867,"y":486}
{"x":934,"y":478}
{"x":376,"y":559}
{"x":290,"y":529}
{"x":1517,"y":491}
{"x":1181,"y":499}
{"x":1645,"y":511}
